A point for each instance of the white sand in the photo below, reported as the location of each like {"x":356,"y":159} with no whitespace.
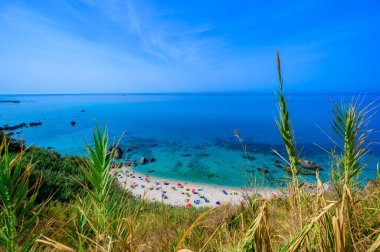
{"x":197,"y":195}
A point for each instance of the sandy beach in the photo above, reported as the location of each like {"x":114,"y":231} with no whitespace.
{"x":181,"y":193}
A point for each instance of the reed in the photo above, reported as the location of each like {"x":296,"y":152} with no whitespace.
{"x":287,"y":134}
{"x":349,"y":124}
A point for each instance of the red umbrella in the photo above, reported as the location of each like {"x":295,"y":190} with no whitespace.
{"x":179,"y":184}
{"x":193,"y":190}
{"x":188,"y":205}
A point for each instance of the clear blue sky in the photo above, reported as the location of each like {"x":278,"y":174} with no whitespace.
{"x":72,"y":46}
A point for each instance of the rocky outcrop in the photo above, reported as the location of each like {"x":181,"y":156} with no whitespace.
{"x":143,"y":160}
{"x":118,"y":152}
{"x":309,"y":165}
{"x":131,"y":163}
{"x":6,"y":127}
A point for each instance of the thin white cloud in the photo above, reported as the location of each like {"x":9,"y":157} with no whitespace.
{"x":159,"y":37}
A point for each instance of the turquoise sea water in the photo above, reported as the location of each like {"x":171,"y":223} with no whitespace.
{"x":190,"y":135}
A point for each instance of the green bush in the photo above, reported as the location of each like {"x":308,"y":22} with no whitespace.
{"x":60,"y":176}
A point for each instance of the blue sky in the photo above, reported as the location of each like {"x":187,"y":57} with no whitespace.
{"x":89,"y":46}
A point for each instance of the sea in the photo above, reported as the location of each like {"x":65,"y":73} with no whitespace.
{"x":191,"y":136}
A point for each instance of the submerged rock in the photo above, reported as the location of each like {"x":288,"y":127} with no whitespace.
{"x":287,"y":169}
{"x":203,"y":155}
{"x":303,"y":172}
{"x":152,"y":159}
{"x":73,"y":123}
{"x":249,"y":157}
{"x":277,"y":164}
{"x":263,"y":170}
{"x":210,"y":175}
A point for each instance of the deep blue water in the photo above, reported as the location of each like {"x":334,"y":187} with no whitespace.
{"x":190,"y":135}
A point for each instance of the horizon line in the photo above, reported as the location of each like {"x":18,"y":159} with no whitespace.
{"x":193,"y":93}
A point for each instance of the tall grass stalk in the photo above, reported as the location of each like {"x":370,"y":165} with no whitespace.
{"x":257,"y":238}
{"x":287,"y":134}
{"x":18,"y":214}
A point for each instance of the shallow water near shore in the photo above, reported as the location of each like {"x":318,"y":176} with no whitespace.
{"x":190,"y":135}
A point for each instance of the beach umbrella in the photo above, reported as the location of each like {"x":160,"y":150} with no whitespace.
{"x":179,"y":184}
{"x":188,"y":205}
{"x":218,"y":202}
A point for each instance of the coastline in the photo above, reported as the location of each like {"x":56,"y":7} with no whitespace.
{"x":182,"y":193}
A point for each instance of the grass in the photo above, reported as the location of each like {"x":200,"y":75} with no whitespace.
{"x":105,"y":218}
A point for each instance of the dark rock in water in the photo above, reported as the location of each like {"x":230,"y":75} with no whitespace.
{"x":134,"y":146}
{"x":128,"y":149}
{"x":83,"y":111}
{"x":143,"y":160}
{"x":118,"y":152}
{"x":288,"y":169}
{"x":186,"y":155}
{"x":249,"y":157}
{"x":18,"y":133}
{"x":203,"y":155}
{"x":73,"y":123}
{"x":179,"y":164}
{"x":198,"y":147}
{"x":34,"y":124}
{"x":263,"y":170}
{"x":11,"y":134}
{"x":9,"y":101}
{"x":309,"y":165}
{"x":150,"y":171}
{"x":49,"y":148}
{"x":277,"y":164}
{"x":210,"y":175}
{"x":152,"y":159}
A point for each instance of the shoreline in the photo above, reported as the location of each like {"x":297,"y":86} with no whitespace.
{"x":182,"y":193}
